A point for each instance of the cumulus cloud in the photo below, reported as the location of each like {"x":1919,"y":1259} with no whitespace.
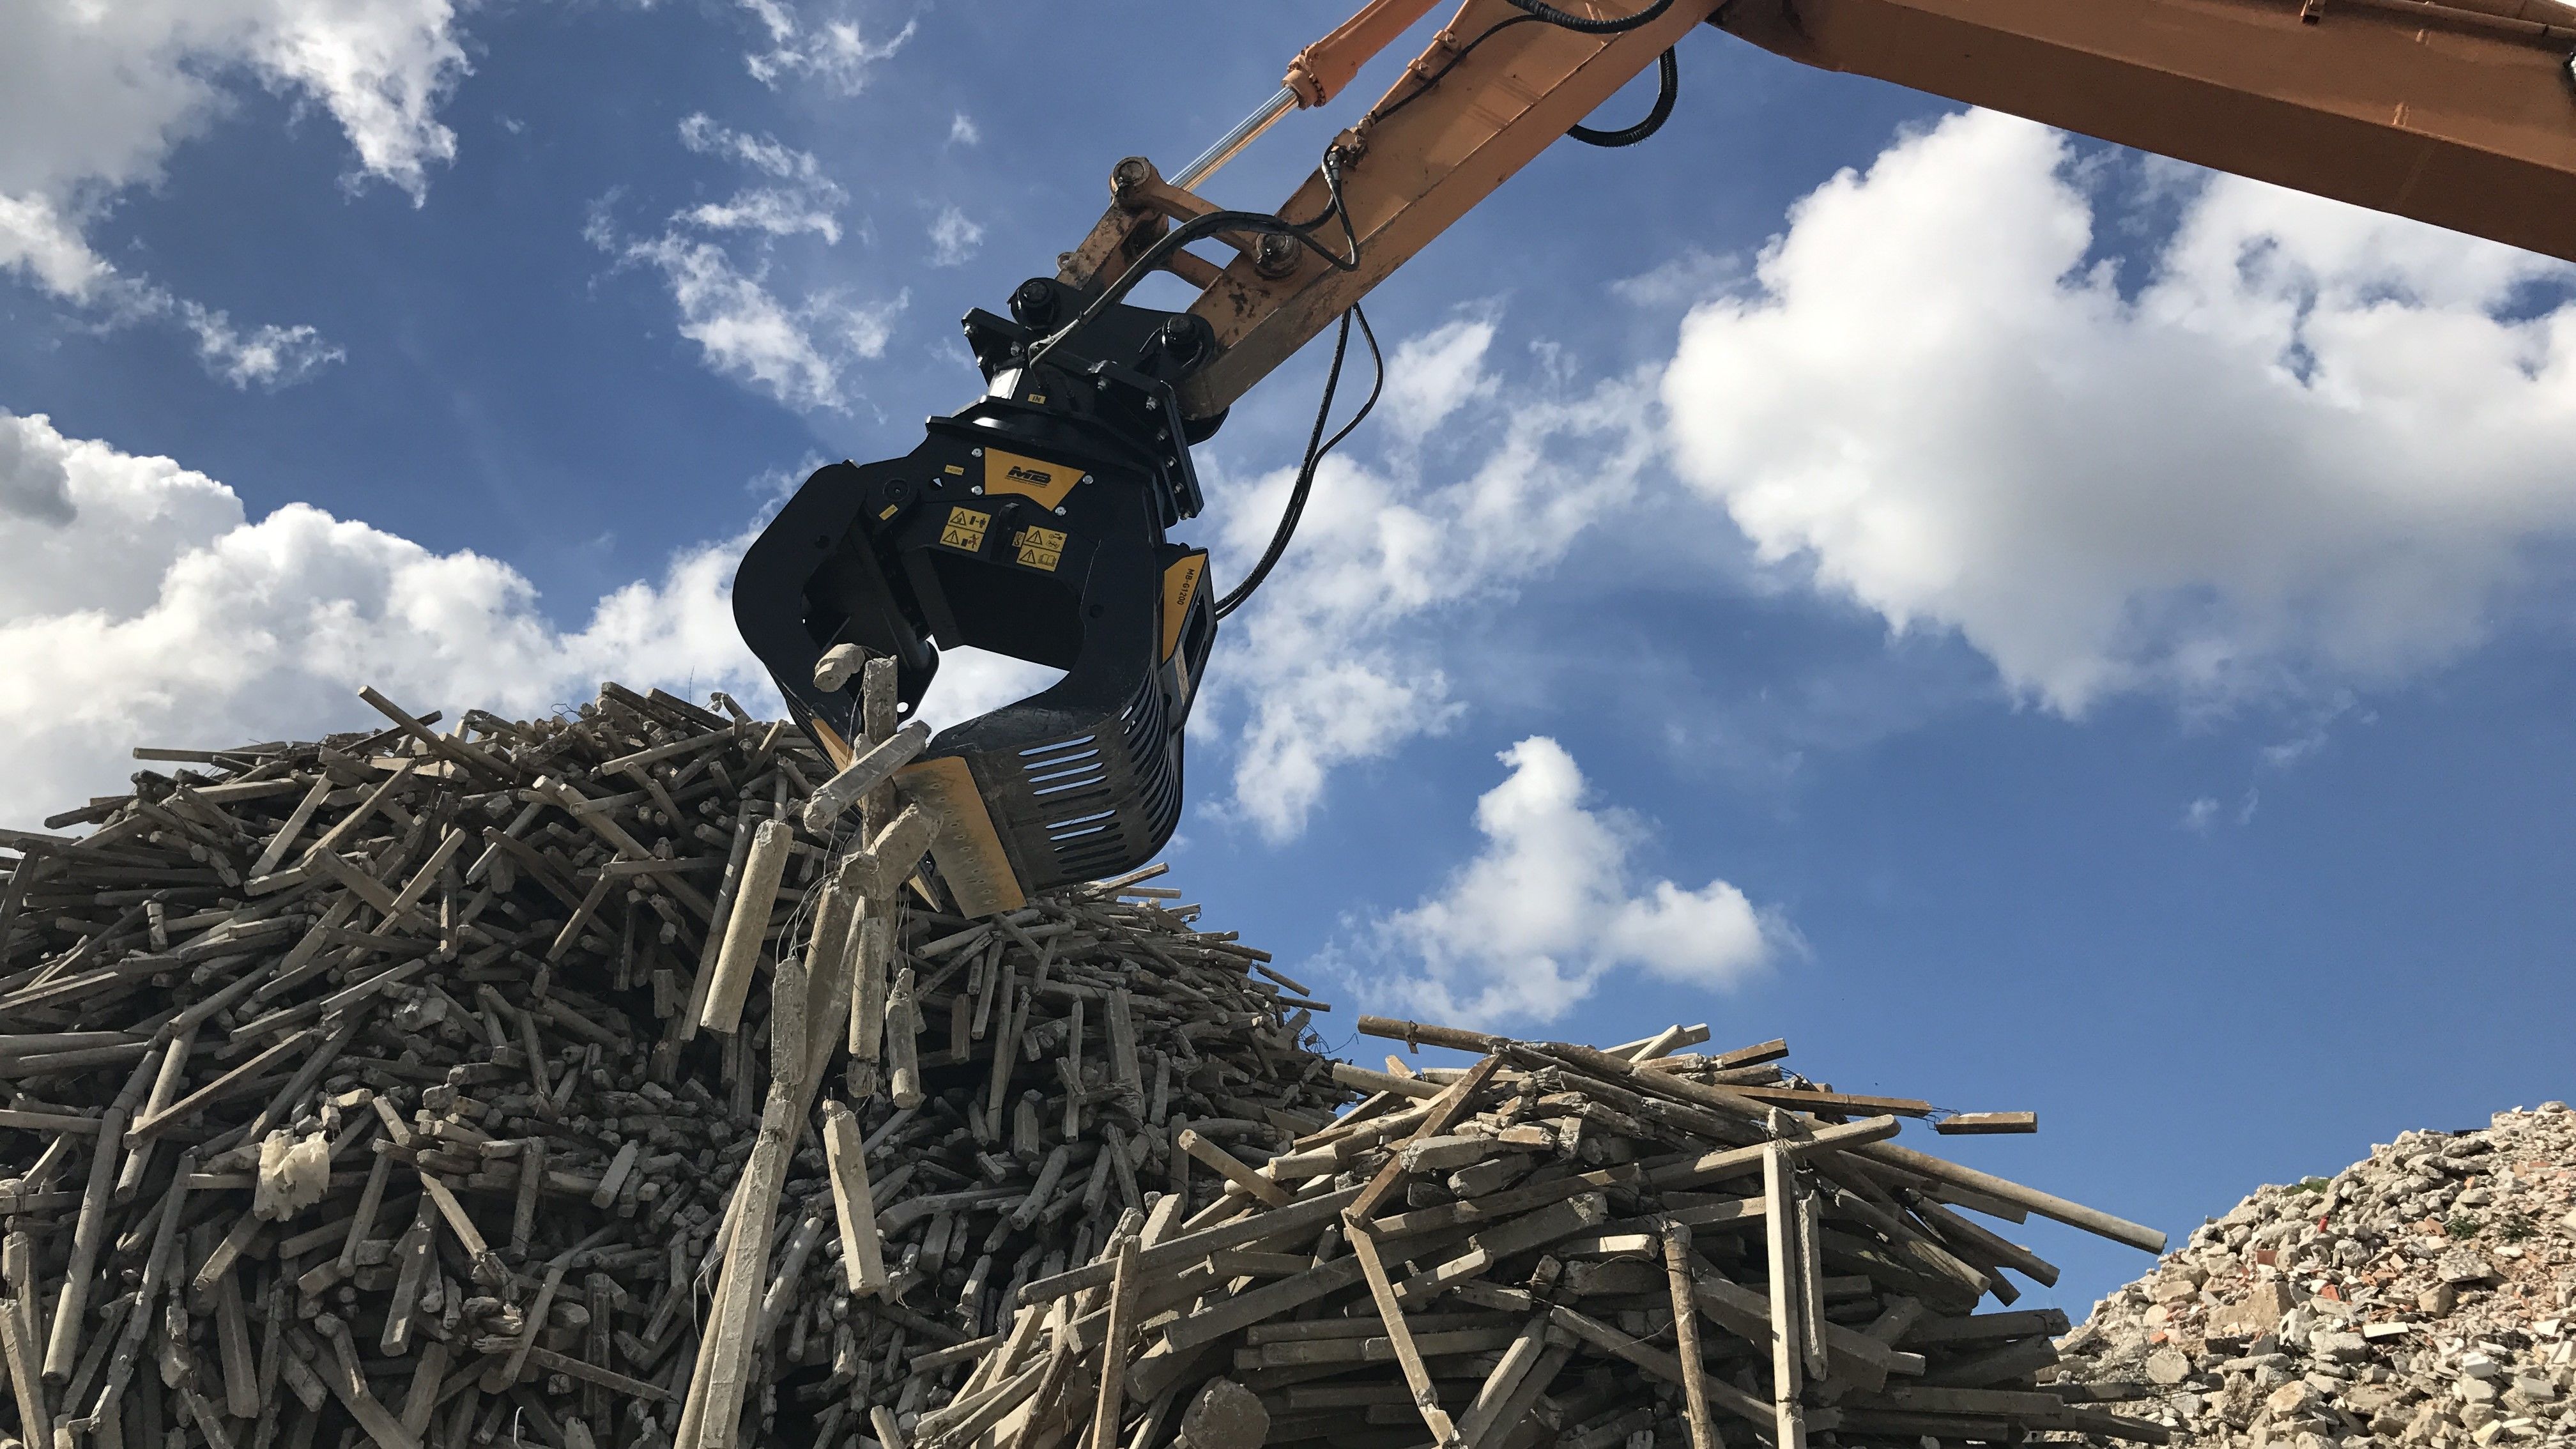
{"x":834,"y":51}
{"x":2315,"y":446}
{"x":150,"y":608}
{"x":93,"y":98}
{"x":2296,"y":450}
{"x":954,"y":240}
{"x":718,"y":259}
{"x":38,"y":242}
{"x":1433,"y":375}
{"x":1552,"y":904}
{"x":35,"y":487}
{"x":1333,"y":660}
{"x":141,"y":604}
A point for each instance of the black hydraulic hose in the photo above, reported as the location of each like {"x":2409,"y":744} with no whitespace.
{"x":1198,"y":227}
{"x":1612,"y":26}
{"x":1316,"y":451}
{"x":1668,"y":88}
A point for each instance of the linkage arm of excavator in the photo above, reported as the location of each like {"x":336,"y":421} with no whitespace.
{"x":1035,"y":522}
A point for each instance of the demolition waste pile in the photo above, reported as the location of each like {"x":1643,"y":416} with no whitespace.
{"x":2422,"y":1296}
{"x":619,"y":1079}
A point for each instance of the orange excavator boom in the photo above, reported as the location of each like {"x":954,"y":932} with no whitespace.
{"x":1034,"y":522}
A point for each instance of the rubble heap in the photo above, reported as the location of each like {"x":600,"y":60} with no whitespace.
{"x":429,"y":1077}
{"x":1558,"y":1244}
{"x":2421,"y":1296}
{"x":621,"y":1079}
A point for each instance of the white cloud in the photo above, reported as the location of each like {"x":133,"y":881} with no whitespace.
{"x":38,"y":241}
{"x":800,"y":352}
{"x":1684,"y":281}
{"x":35,"y":487}
{"x":268,"y":355}
{"x":953,"y":239}
{"x":2316,"y":446}
{"x":834,"y":51}
{"x":1332,"y":662}
{"x":140,"y":604}
{"x":767,"y":210}
{"x":706,"y":136}
{"x":94,"y":94}
{"x":962,"y":130}
{"x":808,"y":200}
{"x":976,"y":681}
{"x":1435,"y":374}
{"x":149,"y":608}
{"x":1550,"y":905}
{"x":94,"y":97}
{"x":2312,"y":448}
{"x":2206,"y":811}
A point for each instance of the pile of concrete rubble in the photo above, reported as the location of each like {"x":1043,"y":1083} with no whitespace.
{"x":2425,"y":1295}
{"x":626,"y":1078}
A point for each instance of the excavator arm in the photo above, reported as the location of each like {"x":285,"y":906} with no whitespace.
{"x":1034,"y":522}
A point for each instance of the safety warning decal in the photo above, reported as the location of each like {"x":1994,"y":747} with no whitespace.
{"x":1040,"y":548}
{"x":965,"y":529}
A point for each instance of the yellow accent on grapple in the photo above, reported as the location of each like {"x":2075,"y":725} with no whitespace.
{"x":1180,"y":583}
{"x":833,"y":745}
{"x":971,"y":859}
{"x":1029,"y":477}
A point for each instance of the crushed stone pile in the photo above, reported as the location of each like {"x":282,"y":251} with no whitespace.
{"x":2425,"y":1295}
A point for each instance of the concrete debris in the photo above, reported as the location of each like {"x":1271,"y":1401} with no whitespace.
{"x":573,"y":1083}
{"x":294,"y":1172}
{"x":372,"y":1087}
{"x":1559,"y":1244}
{"x":2425,"y":1296}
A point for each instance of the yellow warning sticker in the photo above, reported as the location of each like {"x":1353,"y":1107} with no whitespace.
{"x":1040,"y":548}
{"x":965,"y":529}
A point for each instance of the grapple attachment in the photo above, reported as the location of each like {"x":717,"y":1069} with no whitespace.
{"x":1030,"y":524}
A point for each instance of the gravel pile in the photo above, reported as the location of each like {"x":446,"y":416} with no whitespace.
{"x":2421,"y":1296}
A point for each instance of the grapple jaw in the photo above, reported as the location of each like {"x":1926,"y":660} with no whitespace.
{"x":1030,"y":524}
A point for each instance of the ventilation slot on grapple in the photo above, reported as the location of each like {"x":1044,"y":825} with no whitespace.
{"x":1064,"y":768}
{"x":1077,"y":826}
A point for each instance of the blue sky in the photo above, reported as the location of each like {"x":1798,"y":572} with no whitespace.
{"x":2035,"y":625}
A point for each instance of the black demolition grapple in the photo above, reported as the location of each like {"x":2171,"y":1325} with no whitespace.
{"x":1030,"y":524}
